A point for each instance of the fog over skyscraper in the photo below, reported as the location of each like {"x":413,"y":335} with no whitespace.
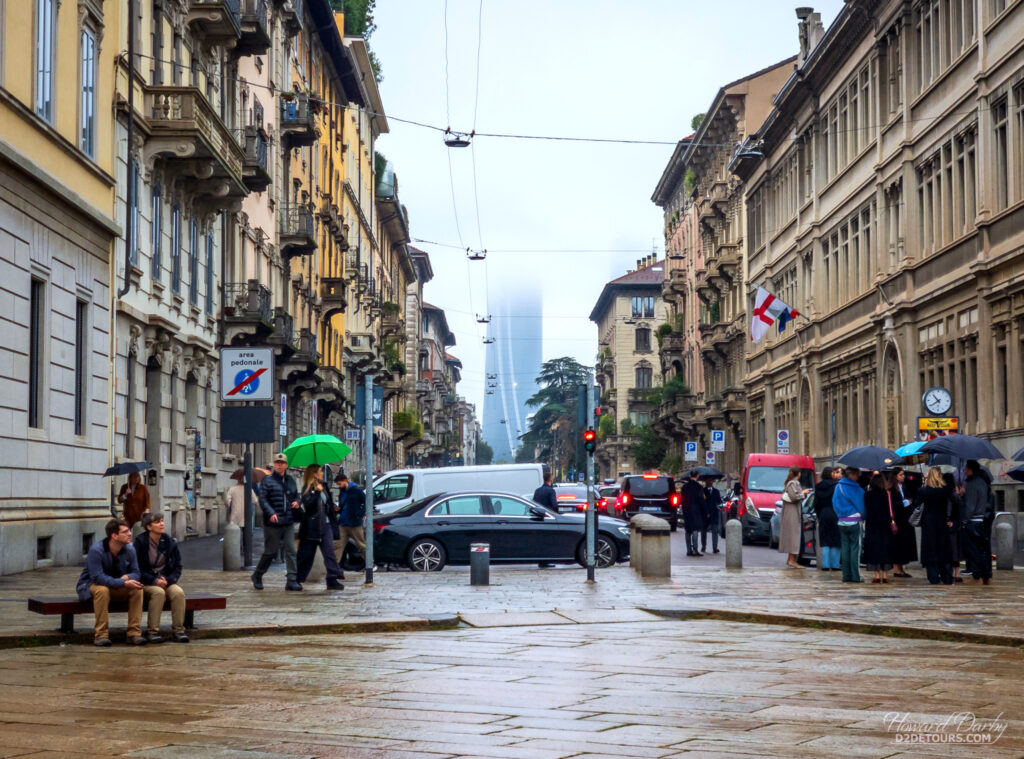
{"x":514,"y":361}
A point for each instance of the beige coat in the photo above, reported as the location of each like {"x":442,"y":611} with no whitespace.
{"x":790,"y":531}
{"x":236,"y":504}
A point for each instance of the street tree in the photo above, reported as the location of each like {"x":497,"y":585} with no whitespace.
{"x":552,"y":433}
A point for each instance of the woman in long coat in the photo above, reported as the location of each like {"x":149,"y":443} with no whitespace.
{"x":791,"y":528}
{"x":936,"y":526}
{"x":315,"y":530}
{"x":828,"y":522}
{"x":878,"y":528}
{"x":904,"y":542}
{"x":956,"y":504}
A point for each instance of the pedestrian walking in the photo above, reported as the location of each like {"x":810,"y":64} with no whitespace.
{"x":712,"y":504}
{"x":879,"y":527}
{"x":545,"y":494}
{"x":160,"y":567}
{"x":235,"y":498}
{"x":693,"y":498}
{"x":134,"y":500}
{"x":848,"y":503}
{"x":791,"y":523}
{"x":938,"y":512}
{"x":828,"y":522}
{"x":956,"y":508}
{"x":351,"y":513}
{"x":279,"y":502}
{"x":975,"y":537}
{"x":315,"y":528}
{"x":904,"y":540}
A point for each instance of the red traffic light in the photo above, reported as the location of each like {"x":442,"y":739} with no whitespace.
{"x":589,"y":439}
{"x":589,"y":435}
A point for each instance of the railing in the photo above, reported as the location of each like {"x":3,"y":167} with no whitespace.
{"x":256,"y":10}
{"x":177,"y":109}
{"x":255,"y":147}
{"x":297,"y":111}
{"x":296,"y":221}
{"x":305,"y":341}
{"x":284,"y":327}
{"x":247,"y":300}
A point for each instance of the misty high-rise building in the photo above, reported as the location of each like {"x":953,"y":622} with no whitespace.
{"x":513,"y":362}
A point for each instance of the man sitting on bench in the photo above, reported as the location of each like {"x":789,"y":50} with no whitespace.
{"x":112,"y":572}
{"x":160,"y":565}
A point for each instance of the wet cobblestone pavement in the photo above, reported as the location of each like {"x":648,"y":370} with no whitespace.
{"x":636,"y":689}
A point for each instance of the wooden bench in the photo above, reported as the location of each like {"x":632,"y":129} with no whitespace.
{"x":69,"y":606}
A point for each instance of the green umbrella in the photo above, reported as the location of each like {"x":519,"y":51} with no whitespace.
{"x":316,"y":449}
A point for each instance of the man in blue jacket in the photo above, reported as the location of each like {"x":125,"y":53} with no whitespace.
{"x":160,"y":565}
{"x":279,"y":500}
{"x":112,"y":572}
{"x":352,"y":512}
{"x":848,"y":503}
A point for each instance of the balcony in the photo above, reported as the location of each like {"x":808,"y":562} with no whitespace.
{"x":719,"y":194}
{"x":255,"y":31}
{"x":677,"y":283}
{"x":729,"y":260}
{"x":197,"y":148}
{"x":218,"y":22}
{"x":283,"y":336}
{"x":332,"y":296}
{"x":359,"y":351}
{"x":305,"y":347}
{"x":672,"y":348}
{"x":298,"y":234}
{"x":291,"y":17}
{"x":254,"y":164}
{"x":247,"y":315}
{"x":640,"y":394}
{"x":298,"y":120}
{"x":705,"y":289}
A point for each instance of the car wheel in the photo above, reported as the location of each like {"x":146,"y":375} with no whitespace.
{"x":426,"y":555}
{"x":605,"y":552}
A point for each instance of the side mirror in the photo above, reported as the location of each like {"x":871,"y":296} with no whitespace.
{"x":537,"y":511}
{"x":778,"y":504}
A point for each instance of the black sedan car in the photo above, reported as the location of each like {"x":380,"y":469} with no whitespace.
{"x":438,"y":530}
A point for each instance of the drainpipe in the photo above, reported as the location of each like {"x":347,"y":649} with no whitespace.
{"x":132,"y":200}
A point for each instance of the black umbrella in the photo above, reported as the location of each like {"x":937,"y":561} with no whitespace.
{"x":709,"y":471}
{"x":963,"y":447}
{"x":869,"y":457}
{"x":1019,"y":455}
{"x":1017,"y":473}
{"x":127,"y":467}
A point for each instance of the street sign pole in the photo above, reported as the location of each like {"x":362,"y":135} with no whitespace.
{"x":368,"y":481}
{"x":247,"y":506}
{"x":591,"y":516}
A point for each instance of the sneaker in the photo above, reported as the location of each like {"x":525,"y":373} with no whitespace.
{"x":180,"y":638}
{"x":257,"y":581}
{"x":292,"y":585}
{"x":154,"y":637}
{"x":102,"y":642}
{"x":137,"y":640}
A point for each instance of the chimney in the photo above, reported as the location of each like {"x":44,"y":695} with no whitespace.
{"x":639,"y":264}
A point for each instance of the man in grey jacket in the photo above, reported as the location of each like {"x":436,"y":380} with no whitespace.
{"x":112,"y":572}
{"x":976,"y":540}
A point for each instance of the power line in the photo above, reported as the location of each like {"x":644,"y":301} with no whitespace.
{"x":479,"y":43}
{"x":447,"y":93}
{"x":536,"y":250}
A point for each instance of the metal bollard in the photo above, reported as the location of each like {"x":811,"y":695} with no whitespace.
{"x":1003,"y":542}
{"x":232,"y":547}
{"x":733,"y":544}
{"x":480,"y":564}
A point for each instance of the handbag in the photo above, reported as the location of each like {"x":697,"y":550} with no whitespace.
{"x":892,"y":517}
{"x":915,"y":515}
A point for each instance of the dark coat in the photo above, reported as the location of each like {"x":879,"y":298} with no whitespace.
{"x":353,"y":507}
{"x":167,"y":546}
{"x":317,"y":510}
{"x":828,"y":522}
{"x":904,"y":542}
{"x":936,"y":546}
{"x":277,"y":493}
{"x":877,"y":528}
{"x":693,"y":505}
{"x":712,"y":502}
{"x":104,"y":568}
{"x":545,"y":496}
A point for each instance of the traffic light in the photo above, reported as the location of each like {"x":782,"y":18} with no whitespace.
{"x":589,"y":439}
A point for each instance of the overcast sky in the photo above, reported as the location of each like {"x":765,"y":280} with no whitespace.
{"x":580,"y":68}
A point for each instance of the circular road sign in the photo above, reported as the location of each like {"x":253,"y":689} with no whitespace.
{"x":251,"y":387}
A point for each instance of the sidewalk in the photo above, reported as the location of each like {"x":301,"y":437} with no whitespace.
{"x":406,"y":600}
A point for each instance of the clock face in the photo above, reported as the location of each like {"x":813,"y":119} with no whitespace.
{"x":937,"y":401}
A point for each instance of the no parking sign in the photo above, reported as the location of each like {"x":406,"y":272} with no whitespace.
{"x":782,"y":441}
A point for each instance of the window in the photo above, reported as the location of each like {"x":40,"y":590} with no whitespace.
{"x":464,"y":506}
{"x":88,"y":106}
{"x":943,"y":31}
{"x":999,"y":150}
{"x":193,"y":262}
{"x":37,"y":294}
{"x":644,"y":376}
{"x":133,"y":214}
{"x":176,"y":249}
{"x":643,"y":339}
{"x":81,"y":386}
{"x":157,"y":227}
{"x":643,"y":306}
{"x":209,"y":273}
{"x":46,"y":18}
{"x":1018,"y":151}
{"x":393,"y":489}
{"x":512,"y":507}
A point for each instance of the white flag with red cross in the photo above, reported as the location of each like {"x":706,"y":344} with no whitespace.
{"x":767,"y":310}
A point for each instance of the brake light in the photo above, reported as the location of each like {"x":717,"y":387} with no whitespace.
{"x":581,"y":506}
{"x":625,"y":499}
{"x":379,"y":527}
{"x":741,"y":510}
{"x":566,"y":498}
{"x":603,"y":503}
{"x":675,"y":499}
{"x":650,"y":476}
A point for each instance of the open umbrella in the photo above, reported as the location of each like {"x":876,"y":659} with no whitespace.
{"x":963,"y":447}
{"x":257,"y":474}
{"x":316,"y":449}
{"x":910,"y":449}
{"x":1017,"y":473}
{"x":709,"y":471}
{"x":869,"y":457}
{"x":126,"y":467}
{"x":1019,"y":455}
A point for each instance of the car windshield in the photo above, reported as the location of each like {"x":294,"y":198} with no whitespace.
{"x":640,"y":486}
{"x":607,"y":492}
{"x":772,"y":479}
{"x":571,"y":490}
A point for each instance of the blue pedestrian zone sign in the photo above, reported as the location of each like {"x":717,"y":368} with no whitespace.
{"x":245,"y":385}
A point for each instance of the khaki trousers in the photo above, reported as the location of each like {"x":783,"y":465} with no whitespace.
{"x":344,"y":533}
{"x":101,"y":597}
{"x":155,"y":597}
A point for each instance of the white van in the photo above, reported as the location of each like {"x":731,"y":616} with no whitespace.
{"x":396,"y":489}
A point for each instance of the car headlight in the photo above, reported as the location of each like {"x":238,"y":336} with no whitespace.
{"x":623,"y":530}
{"x":751,"y":509}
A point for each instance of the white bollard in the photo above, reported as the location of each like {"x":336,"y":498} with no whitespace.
{"x":733,"y":544}
{"x":232,"y":548}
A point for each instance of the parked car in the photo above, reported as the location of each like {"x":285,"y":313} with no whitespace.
{"x":606,"y":496}
{"x":571,"y":498}
{"x":434,"y":531}
{"x":653,"y":494}
{"x":809,"y":538}
{"x":763,"y":480}
{"x":399,"y":488}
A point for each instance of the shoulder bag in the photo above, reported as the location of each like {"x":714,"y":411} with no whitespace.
{"x":892,"y":517}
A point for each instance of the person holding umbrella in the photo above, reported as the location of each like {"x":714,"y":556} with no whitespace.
{"x":936,"y":525}
{"x":279,"y":500}
{"x":975,"y":537}
{"x":828,"y":523}
{"x":848,"y":503}
{"x":879,"y":527}
{"x":712,"y":502}
{"x":904,"y":541}
{"x":693,"y":511}
{"x":134,"y":500}
{"x":315,"y":529}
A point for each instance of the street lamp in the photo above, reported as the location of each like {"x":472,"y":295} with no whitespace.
{"x":457,"y":139}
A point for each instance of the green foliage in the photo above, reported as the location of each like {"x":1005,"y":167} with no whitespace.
{"x":391,"y":352}
{"x":380,"y":162}
{"x":679,"y":323}
{"x":664,"y":329}
{"x":649,"y":450}
{"x":556,"y":412}
{"x":655,"y":395}
{"x":690,"y":180}
{"x":606,"y":427}
{"x":358,"y":16}
{"x":604,"y":353}
{"x":390,"y":308}
{"x":696,"y":121}
{"x":671,"y":464}
{"x":626,"y":426}
{"x":675,"y":386}
{"x":484,"y":452}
